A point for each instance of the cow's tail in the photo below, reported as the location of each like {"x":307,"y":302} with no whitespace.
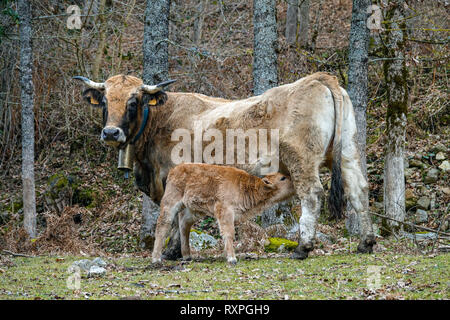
{"x":336,"y":199}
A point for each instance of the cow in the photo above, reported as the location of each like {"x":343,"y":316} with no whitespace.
{"x":316,"y":124}
{"x":230,"y":195}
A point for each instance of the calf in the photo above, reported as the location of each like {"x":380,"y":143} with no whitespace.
{"x":226,"y":193}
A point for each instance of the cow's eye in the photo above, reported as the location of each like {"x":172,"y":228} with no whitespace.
{"x":283,"y":178}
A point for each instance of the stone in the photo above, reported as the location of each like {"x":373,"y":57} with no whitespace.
{"x":421,"y":216}
{"x":445,"y":166}
{"x":409,"y":172}
{"x":439,"y":147}
{"x":322,"y":237}
{"x":84,"y":264}
{"x":432,"y":176}
{"x":99,"y":262}
{"x":200,"y":240}
{"x":409,"y":194}
{"x":96,"y":271}
{"x":440,"y":156}
{"x":414,"y":163}
{"x":423,"y":203}
{"x":446,"y":190}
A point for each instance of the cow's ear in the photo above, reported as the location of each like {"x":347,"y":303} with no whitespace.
{"x":154,"y":99}
{"x":268,"y":184}
{"x":93,"y":96}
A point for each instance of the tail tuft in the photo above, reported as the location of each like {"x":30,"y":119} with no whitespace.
{"x":336,"y":199}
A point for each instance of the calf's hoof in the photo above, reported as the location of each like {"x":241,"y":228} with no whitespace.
{"x":301,"y":252}
{"x":187,"y":258}
{"x":232,"y":261}
{"x":366,"y":245}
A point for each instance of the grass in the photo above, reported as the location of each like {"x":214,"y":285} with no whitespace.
{"x":339,"y":276}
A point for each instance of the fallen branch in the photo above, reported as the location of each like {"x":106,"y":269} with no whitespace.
{"x":17,"y":254}
{"x":411,"y":224}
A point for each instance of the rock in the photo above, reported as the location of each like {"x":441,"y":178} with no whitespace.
{"x":432,"y":176}
{"x":99,"y":262}
{"x":84,"y":264}
{"x":409,"y":194}
{"x":440,"y":156}
{"x":409,"y":172}
{"x":200,"y":240}
{"x":446,"y":190}
{"x":322,"y":237}
{"x":439,"y":147}
{"x":414,"y":163}
{"x":423,"y":203}
{"x":445,"y":166}
{"x":421,"y":216}
{"x":96,"y":271}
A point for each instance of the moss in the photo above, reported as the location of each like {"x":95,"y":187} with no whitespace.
{"x":273,"y":244}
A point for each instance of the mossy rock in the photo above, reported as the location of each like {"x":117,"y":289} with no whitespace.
{"x":274,"y":244}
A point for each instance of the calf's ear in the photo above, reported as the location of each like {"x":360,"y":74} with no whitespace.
{"x":154,"y":99}
{"x":268,"y":184}
{"x":93,"y":96}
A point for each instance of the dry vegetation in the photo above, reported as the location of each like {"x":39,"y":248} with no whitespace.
{"x":84,"y":203}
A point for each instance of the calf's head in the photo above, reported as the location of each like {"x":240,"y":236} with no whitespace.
{"x":279,"y":186}
{"x":123,"y":100}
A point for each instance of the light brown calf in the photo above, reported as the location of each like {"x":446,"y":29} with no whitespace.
{"x":226,"y":193}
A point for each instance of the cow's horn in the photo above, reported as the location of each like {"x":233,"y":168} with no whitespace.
{"x":90,"y":83}
{"x":153,"y":89}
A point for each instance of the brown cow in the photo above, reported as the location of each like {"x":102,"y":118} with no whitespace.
{"x":228,"y":194}
{"x":316,"y":124}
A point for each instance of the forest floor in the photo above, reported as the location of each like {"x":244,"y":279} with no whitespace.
{"x":382,"y":275}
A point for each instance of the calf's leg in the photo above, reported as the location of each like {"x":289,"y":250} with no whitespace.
{"x":168,"y":211}
{"x":186,"y":220}
{"x":225,"y":218}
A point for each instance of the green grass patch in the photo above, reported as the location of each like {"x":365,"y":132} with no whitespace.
{"x":318,"y":277}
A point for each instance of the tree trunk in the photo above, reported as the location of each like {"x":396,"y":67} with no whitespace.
{"x":303,"y":30}
{"x":291,"y":22}
{"x":265,"y":74}
{"x":27,"y":101}
{"x":395,"y":73}
{"x":156,"y":69}
{"x":357,"y":89}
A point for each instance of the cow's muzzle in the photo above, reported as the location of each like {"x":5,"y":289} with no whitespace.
{"x":113,"y":135}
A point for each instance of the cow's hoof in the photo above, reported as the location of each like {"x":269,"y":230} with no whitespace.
{"x":301,"y":252}
{"x":187,"y":258}
{"x":366,"y":245}
{"x":232,"y":261}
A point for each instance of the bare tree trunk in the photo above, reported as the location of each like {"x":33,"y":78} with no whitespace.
{"x":27,"y":101}
{"x":198,"y":24}
{"x":265,"y":75}
{"x":101,"y":43}
{"x":156,"y":69}
{"x":395,"y":73}
{"x":303,"y":30}
{"x":357,"y":89}
{"x":291,"y":22}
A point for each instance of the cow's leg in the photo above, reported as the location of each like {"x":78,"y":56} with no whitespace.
{"x":186,"y":220}
{"x":356,"y":189}
{"x":225,"y":218}
{"x":168,"y":211}
{"x":303,"y":162}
